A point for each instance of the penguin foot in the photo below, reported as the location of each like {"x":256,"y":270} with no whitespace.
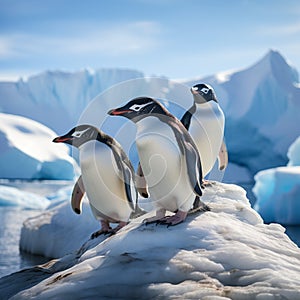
{"x":105,"y":229}
{"x":160,"y":214}
{"x":115,"y":230}
{"x":207,"y":183}
{"x":178,"y":218}
{"x":149,"y":221}
{"x":100,"y":232}
{"x":198,"y":206}
{"x":152,"y":220}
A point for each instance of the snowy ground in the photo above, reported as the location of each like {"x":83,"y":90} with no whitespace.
{"x":227,"y":252}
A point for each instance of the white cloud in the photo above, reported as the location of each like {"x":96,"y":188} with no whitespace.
{"x":116,"y":40}
{"x":6,"y":47}
{"x":279,"y":30}
{"x":90,"y":39}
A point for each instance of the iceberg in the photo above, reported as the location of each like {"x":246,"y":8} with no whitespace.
{"x":261,"y":103}
{"x":294,"y":153}
{"x":57,"y":231}
{"x":226,"y":253}
{"x":56,"y":98}
{"x":278,"y":190}
{"x":261,"y":106}
{"x":278,"y":193}
{"x":10,"y":196}
{"x":27,"y":151}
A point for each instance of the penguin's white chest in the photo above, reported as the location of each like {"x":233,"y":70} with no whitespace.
{"x":103,"y":181}
{"x":163,"y":165}
{"x":207,"y":130}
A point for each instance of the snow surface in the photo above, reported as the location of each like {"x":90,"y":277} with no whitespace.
{"x":261,"y":104}
{"x":278,"y":190}
{"x":27,"y":151}
{"x":227,"y":253}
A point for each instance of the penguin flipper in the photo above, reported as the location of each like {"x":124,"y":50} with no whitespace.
{"x":77,"y":195}
{"x":223,"y":157}
{"x":194,"y":168}
{"x":129,"y":183}
{"x":126,"y":168}
{"x":141,"y":183}
{"x":188,"y":148}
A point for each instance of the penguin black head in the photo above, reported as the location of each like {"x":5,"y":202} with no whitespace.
{"x":139,"y":108}
{"x":203,"y":93}
{"x":78,"y":135}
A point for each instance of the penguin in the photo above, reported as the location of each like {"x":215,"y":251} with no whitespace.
{"x":205,"y":122}
{"x":141,"y":184}
{"x":107,"y":177}
{"x":168,"y":156}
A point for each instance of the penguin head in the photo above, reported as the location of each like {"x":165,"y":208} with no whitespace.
{"x":138,"y":108}
{"x":78,"y":135}
{"x":203,"y":93}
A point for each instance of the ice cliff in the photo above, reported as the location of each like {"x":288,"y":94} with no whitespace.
{"x":57,"y":99}
{"x":278,"y":190}
{"x":261,"y":104}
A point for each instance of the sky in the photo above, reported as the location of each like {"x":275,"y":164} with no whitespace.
{"x":173,"y":38}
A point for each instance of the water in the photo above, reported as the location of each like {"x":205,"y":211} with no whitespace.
{"x":11,"y":220}
{"x":11,"y":260}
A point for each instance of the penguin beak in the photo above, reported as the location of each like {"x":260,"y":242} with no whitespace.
{"x":62,"y":139}
{"x":194,"y":90}
{"x":118,"y":112}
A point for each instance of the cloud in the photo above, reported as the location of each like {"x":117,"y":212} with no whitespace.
{"x":279,"y":30}
{"x":116,"y":40}
{"x":128,"y":38}
{"x":5,"y":47}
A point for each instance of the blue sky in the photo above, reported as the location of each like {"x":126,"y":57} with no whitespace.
{"x":174,"y":38}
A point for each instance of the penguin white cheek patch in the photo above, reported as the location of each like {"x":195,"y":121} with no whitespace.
{"x":205,"y":90}
{"x":138,"y":107}
{"x":78,"y":134}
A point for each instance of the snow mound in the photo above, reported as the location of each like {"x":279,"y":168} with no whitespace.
{"x":227,"y":252}
{"x":27,"y":151}
{"x":10,"y":196}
